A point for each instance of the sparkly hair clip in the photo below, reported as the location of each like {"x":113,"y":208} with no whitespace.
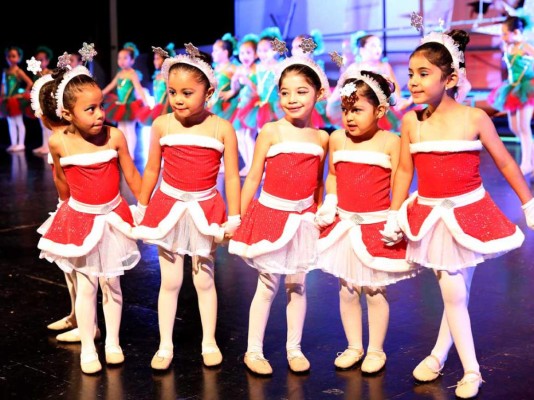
{"x":337,"y":58}
{"x":87,"y":52}
{"x":160,"y":51}
{"x":71,"y":73}
{"x":279,"y":46}
{"x":191,"y":58}
{"x":64,"y":61}
{"x":303,"y":60}
{"x":308,"y":45}
{"x":35,"y":67}
{"x":353,"y":72}
{"x":416,"y":20}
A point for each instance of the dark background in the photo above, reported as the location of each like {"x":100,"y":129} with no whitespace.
{"x":29,"y":24}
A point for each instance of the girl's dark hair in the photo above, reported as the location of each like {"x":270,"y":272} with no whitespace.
{"x":73,"y":88}
{"x":300,"y":69}
{"x":438,"y":54}
{"x":48,"y":103}
{"x":46,"y":50}
{"x":361,"y":42}
{"x":201,"y":77}
{"x":513,"y":23}
{"x":364,"y":90}
{"x":16,"y":48}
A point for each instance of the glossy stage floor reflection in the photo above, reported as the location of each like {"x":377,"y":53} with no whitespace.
{"x":33,"y":293}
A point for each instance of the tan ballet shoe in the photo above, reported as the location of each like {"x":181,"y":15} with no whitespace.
{"x":298,"y":362}
{"x":114,"y":354}
{"x":211,"y":357}
{"x":373,"y":362}
{"x":162,"y":359}
{"x":348,"y":359}
{"x":426,"y":370}
{"x":62,"y":324}
{"x":73,"y":336}
{"x":89,"y":363}
{"x":258,"y":364}
{"x":468,"y":387}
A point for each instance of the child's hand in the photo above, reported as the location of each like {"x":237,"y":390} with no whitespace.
{"x":326,"y":214}
{"x":230,"y":226}
{"x":528,"y":209}
{"x":139,"y":213}
{"x":391,"y":234}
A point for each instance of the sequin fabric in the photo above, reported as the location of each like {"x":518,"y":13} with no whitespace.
{"x":447,"y":174}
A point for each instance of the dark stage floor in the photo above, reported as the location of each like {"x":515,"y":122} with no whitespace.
{"x":33,"y":293}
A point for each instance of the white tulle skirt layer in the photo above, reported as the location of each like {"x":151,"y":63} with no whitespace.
{"x":439,"y":250}
{"x":113,"y":254}
{"x":342,"y":261}
{"x":298,"y":255}
{"x":185,"y":238}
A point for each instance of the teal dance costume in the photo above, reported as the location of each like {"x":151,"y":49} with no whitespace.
{"x":123,"y":106}
{"x":16,"y":100}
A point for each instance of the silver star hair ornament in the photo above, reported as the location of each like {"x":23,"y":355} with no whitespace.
{"x":308,"y":45}
{"x":191,"y":50}
{"x":34,"y":65}
{"x":279,"y":46}
{"x":337,"y":58}
{"x":64,"y":61}
{"x":160,"y":51}
{"x":416,"y":20}
{"x":87,"y":52}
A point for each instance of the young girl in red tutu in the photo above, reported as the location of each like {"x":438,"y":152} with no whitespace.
{"x":90,"y":234}
{"x":451,"y":222}
{"x":186,"y":214}
{"x":363,"y":160}
{"x":278,"y":236}
{"x":125,"y":106}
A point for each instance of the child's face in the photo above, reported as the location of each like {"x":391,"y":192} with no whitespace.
{"x":124,"y":59}
{"x":88,"y":113}
{"x":41,"y":56}
{"x":265,"y":51}
{"x":359,"y":118}
{"x":509,"y":36}
{"x":218,"y":54}
{"x":297,"y":96}
{"x":74,"y":60}
{"x":158,"y":61}
{"x":372,"y":51}
{"x":13,"y":57}
{"x":425,"y":82}
{"x":187,"y":96}
{"x":247,"y":54}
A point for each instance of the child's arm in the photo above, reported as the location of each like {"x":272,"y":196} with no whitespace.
{"x":253,"y":179}
{"x":326,"y":213}
{"x":153,"y":164}
{"x":393,"y":146}
{"x":112,"y":85}
{"x":139,"y":90}
{"x":60,"y":180}
{"x":501,"y":156}
{"x":403,"y":176}
{"x":29,"y":83}
{"x":232,"y":181}
{"x":129,"y":170}
{"x":528,"y":49}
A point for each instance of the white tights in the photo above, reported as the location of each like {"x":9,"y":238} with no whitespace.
{"x":455,"y":323}
{"x":128,"y":128}
{"x":351,"y":315}
{"x":260,"y":308}
{"x":86,"y":309}
{"x":245,"y":143}
{"x":72,"y":286}
{"x":172,"y":274}
{"x":45,"y":133}
{"x":17,"y":130}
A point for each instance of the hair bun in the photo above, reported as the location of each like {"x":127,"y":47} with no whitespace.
{"x":461,"y":37}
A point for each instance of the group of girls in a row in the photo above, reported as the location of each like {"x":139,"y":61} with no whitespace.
{"x":367,"y":231}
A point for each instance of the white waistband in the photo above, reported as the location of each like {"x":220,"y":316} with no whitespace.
{"x":455,"y":201}
{"x":187,"y":196}
{"x":278,"y":203}
{"x":95,"y":208}
{"x":363,"y":218}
